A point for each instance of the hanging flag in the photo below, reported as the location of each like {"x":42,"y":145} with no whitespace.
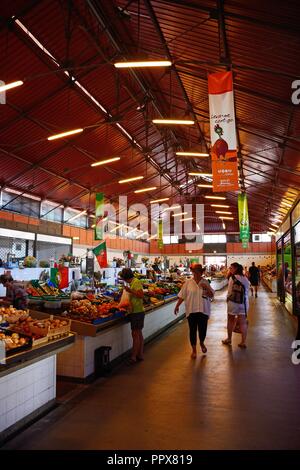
{"x":60,"y":276}
{"x":243,"y":219}
{"x":160,"y":234}
{"x":101,"y":254}
{"x":99,"y":213}
{"x":222,"y":132}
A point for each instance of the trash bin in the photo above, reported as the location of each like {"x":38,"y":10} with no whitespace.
{"x":102,"y":361}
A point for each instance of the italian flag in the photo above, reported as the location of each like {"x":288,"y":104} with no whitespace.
{"x":101,"y":254}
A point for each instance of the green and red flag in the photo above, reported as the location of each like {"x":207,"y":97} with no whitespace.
{"x":160,"y":243}
{"x":101,"y":254}
{"x":243,"y":219}
{"x":60,"y":276}
{"x":99,"y":213}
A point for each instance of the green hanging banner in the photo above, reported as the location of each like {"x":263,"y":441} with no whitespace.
{"x":243,"y":219}
{"x":99,"y":213}
{"x":160,"y":234}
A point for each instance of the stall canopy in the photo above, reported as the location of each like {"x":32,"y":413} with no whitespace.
{"x":64,"y":52}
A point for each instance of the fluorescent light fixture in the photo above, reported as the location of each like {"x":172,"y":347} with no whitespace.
{"x":93,"y":226}
{"x":224,"y":226}
{"x":192,"y":154}
{"x":143,"y":63}
{"x":152,"y":236}
{"x":226,"y":218}
{"x":187,"y":122}
{"x":223,"y":212}
{"x":215,"y":197}
{"x":195,"y":173}
{"x":5,"y":232}
{"x":76,"y":216}
{"x":220,"y":205}
{"x":65,"y":134}
{"x":116,"y":228}
{"x":283,"y":203}
{"x":104,"y":162}
{"x":159,"y":200}
{"x":144,"y":190}
{"x":52,"y":239}
{"x":186,"y":184}
{"x":141,"y":234}
{"x":198,"y":226}
{"x":11,"y":85}
{"x":274,"y":225}
{"x":171,"y":208}
{"x":185,"y":220}
{"x":128,"y":180}
{"x":179,"y":214}
{"x":75,"y":238}
{"x":204,"y":185}
{"x":20,"y":193}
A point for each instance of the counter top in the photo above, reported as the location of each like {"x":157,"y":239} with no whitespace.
{"x":35,"y":354}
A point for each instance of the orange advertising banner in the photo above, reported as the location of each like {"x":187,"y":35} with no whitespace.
{"x":222,"y":132}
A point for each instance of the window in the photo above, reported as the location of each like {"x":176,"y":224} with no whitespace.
{"x":215,"y":238}
{"x":170,"y":239}
{"x":51,"y":211}
{"x":261,"y":237}
{"x":80,"y":221}
{"x":20,"y":204}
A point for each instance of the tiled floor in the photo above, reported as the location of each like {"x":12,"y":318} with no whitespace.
{"x":230,"y":399}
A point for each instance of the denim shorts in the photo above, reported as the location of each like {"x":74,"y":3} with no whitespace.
{"x":137,"y":320}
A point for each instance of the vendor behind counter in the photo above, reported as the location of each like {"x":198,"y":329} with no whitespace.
{"x":16,"y":295}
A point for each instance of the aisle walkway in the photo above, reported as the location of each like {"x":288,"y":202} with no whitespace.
{"x":231,"y":399}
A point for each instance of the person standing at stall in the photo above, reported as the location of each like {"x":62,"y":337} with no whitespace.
{"x":196,"y":294}
{"x":254,"y":278}
{"x":137,"y":314}
{"x":16,"y":295}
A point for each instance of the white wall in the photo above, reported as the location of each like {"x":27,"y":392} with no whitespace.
{"x":246,"y":259}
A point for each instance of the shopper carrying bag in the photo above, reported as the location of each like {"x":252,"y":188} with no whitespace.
{"x":237,"y":304}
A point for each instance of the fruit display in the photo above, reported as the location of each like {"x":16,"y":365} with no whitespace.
{"x":12,"y":315}
{"x":89,"y":312}
{"x":49,"y":328}
{"x":14,"y":340}
{"x":42,"y":290}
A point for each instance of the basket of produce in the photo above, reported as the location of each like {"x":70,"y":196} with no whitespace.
{"x":15,"y":342}
{"x":12,"y":315}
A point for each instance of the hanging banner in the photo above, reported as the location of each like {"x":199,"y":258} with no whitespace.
{"x":100,"y":252}
{"x":160,"y":234}
{"x":222,"y":132}
{"x":243,"y":219}
{"x":99,"y":213}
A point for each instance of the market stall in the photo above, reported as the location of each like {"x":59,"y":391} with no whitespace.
{"x":27,"y":368}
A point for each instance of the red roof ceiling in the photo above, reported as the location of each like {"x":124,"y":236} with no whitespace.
{"x":261,"y":44}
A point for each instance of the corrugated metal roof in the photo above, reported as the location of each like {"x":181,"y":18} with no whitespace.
{"x":263,"y":42}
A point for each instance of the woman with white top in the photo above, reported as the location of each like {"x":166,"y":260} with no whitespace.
{"x":196,"y":294}
{"x":237,"y":312}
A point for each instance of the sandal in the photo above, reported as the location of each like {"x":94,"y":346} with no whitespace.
{"x":227,"y":342}
{"x":242,"y":345}
{"x":130,"y":362}
{"x":203,"y":348}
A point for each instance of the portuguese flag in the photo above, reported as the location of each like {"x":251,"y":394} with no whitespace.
{"x":101,"y":254}
{"x":60,"y":276}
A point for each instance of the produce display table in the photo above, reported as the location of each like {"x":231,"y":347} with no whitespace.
{"x":270,"y":282}
{"x":218,"y":283}
{"x":28,"y":384}
{"x":79,"y":362}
